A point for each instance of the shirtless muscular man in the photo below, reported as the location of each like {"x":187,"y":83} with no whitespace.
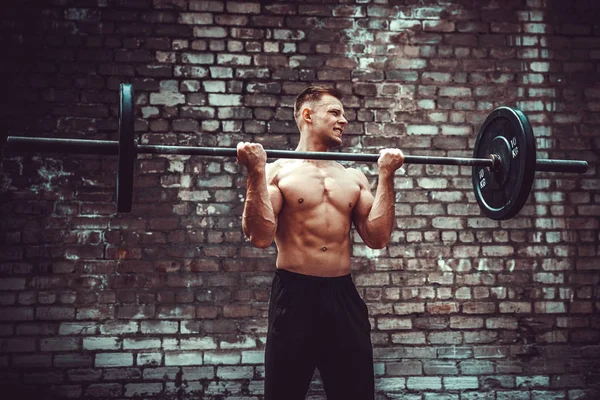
{"x":317,"y":318}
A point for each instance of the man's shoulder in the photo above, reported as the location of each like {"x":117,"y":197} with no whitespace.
{"x":274,"y":168}
{"x":354,"y":171}
{"x":279,"y":163}
{"x":357,"y":174}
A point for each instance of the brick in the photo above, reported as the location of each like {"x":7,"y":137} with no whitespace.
{"x":143,"y":389}
{"x":479,"y":308}
{"x":445,"y":338}
{"x":409,"y":338}
{"x":104,"y":360}
{"x":103,"y":390}
{"x":60,"y":344}
{"x":501,"y":323}
{"x":407,"y":367}
{"x":549,"y":307}
{"x":422,"y":130}
{"x":390,"y":385}
{"x":438,"y":26}
{"x":138,"y":344}
{"x":73,"y":360}
{"x":12,"y":284}
{"x":479,"y":367}
{"x":386,"y":323}
{"x":239,"y":7}
{"x":442,"y":307}
{"x":455,"y":352}
{"x":437,"y":367}
{"x":409,"y":308}
{"x":222,"y":358}
{"x":228,"y":373}
{"x":167,"y":99}
{"x":514,"y":395}
{"x":424,"y":383}
{"x":16,"y":313}
{"x":196,"y":343}
{"x":195,"y":18}
{"x":101,"y":343}
{"x":481,"y":337}
{"x":213,"y":32}
{"x":224,"y":100}
{"x":75,"y":328}
{"x":460,"y":322}
{"x":183,"y":358}
{"x":243,"y":343}
{"x":124,"y":374}
{"x":253,"y":357}
{"x":159,"y":327}
{"x":515,"y":307}
{"x":478,"y":395}
{"x":460,"y":383}
{"x":148,"y":359}
{"x":405,"y":24}
{"x":84,"y":375}
{"x":118,"y":327}
{"x":234,"y":60}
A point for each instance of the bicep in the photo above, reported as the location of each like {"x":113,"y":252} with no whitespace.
{"x":360,"y":213}
{"x":276,"y":198}
{"x":275,"y":194}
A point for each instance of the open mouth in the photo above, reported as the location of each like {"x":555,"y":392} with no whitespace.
{"x":339,"y":131}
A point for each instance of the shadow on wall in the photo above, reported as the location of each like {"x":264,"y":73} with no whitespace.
{"x":572,"y":47}
{"x":23,"y":392}
{"x":23,"y":33}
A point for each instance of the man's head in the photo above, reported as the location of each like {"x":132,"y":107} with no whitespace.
{"x":312,"y":95}
{"x":319,"y":112}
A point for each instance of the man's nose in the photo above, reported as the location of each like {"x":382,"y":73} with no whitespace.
{"x":343,"y":120}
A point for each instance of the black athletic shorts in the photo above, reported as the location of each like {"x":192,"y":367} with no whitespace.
{"x":317,"y":322}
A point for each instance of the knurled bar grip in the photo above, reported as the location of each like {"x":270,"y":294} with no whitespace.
{"x":108,"y":147}
{"x":553,"y":165}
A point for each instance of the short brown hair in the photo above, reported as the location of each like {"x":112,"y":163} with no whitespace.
{"x":314,"y":93}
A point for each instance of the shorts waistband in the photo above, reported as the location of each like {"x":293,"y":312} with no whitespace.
{"x":294,"y":276}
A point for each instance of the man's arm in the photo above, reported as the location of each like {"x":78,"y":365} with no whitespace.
{"x":263,"y":198}
{"x":374,"y":217}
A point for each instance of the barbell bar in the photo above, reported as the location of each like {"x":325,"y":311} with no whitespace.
{"x":19,"y":144}
{"x":111,"y":147}
{"x":504,"y":159}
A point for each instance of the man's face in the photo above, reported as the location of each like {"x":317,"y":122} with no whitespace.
{"x":328,"y":121}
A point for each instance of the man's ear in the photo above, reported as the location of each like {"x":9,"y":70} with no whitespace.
{"x":306,"y":114}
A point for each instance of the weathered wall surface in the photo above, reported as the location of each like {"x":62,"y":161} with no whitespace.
{"x":170,"y":301}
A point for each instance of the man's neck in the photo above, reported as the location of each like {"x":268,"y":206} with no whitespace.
{"x":304,"y":144}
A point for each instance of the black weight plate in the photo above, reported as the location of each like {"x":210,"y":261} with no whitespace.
{"x":502,"y":194}
{"x":127,"y":149}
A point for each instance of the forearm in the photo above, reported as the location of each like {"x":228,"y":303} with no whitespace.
{"x":258,"y":220}
{"x":380,"y":221}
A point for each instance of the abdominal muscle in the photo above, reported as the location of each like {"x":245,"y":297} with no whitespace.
{"x":316,"y":242}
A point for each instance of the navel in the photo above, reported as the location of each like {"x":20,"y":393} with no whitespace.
{"x":350,"y":205}
{"x":324,"y":248}
{"x":300,"y":200}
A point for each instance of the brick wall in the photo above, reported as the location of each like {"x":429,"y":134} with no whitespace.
{"x":170,"y":301}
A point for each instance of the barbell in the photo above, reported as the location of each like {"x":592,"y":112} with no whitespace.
{"x":504,"y":159}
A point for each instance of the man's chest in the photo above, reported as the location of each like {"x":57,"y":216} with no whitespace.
{"x":306,"y":187}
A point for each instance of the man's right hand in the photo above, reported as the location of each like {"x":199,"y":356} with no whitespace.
{"x":251,"y":155}
{"x":390,"y":160}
